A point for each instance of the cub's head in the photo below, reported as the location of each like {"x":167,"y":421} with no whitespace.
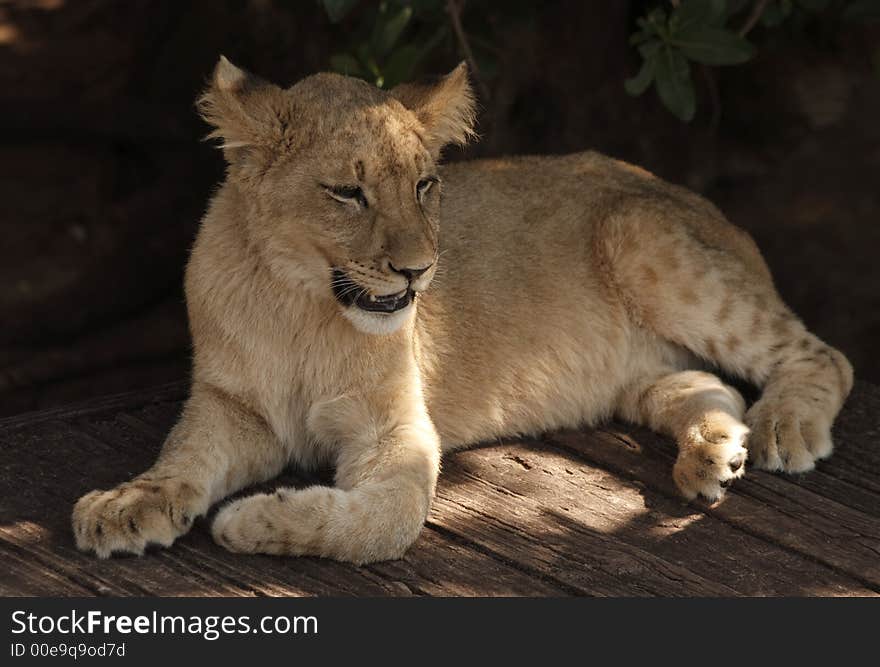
{"x":339,"y":181}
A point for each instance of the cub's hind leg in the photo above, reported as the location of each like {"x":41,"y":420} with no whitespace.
{"x":806,"y":384}
{"x":693,"y":279}
{"x":703,"y":415}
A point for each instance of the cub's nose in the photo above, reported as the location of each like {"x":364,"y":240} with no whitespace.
{"x":411,"y":273}
{"x":737,"y":461}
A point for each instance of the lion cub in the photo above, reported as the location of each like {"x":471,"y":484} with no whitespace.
{"x":568,"y":290}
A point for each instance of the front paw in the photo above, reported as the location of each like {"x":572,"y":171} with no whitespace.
{"x":246,"y":525}
{"x":788,"y":434}
{"x":711,"y":457}
{"x":131,"y":516}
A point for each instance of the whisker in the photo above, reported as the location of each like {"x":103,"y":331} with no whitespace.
{"x":343,"y":283}
{"x":362,"y":294}
{"x":351,"y":289}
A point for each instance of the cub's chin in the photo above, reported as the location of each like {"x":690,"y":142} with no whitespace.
{"x":378,"y":323}
{"x":370,"y":313}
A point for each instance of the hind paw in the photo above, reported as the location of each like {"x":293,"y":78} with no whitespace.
{"x":787,"y":435}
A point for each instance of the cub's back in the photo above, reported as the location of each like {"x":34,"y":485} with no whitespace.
{"x":521,"y":307}
{"x":537,"y":215}
{"x":516,"y":308}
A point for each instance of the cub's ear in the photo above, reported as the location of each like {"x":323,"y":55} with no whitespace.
{"x":248,"y":114}
{"x":446,"y":109}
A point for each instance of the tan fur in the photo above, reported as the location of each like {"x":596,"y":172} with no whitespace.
{"x":565,"y":290}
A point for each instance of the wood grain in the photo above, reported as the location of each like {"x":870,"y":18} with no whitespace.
{"x":589,"y":512}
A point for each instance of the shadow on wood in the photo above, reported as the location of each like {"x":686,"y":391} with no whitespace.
{"x":574,"y":513}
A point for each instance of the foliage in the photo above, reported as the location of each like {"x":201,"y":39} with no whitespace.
{"x":386,"y":41}
{"x":699,"y":31}
{"x":389,"y":39}
{"x":669,"y":42}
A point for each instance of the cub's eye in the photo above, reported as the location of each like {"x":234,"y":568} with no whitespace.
{"x":347,"y":194}
{"x":424,"y":185}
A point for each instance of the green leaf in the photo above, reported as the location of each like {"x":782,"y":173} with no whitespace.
{"x":390,"y":29}
{"x":700,"y":12}
{"x":638,"y":37}
{"x":338,"y":9}
{"x":646,"y":27}
{"x":672,"y":73}
{"x":370,"y":67}
{"x":640,"y":82}
{"x":656,"y":16}
{"x":400,"y":65}
{"x":650,"y":49}
{"x":345,"y":63}
{"x":713,"y":46}
{"x":653,"y":23}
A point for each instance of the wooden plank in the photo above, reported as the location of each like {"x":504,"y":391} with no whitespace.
{"x":432,"y":560}
{"x":856,"y":459}
{"x":575,"y":497}
{"x":35,"y":519}
{"x":126,"y":445}
{"x":109,"y":577}
{"x":777,"y":519}
{"x":566,"y":584}
{"x":587,"y":561}
{"x":851,"y":494}
{"x":172,"y":392}
{"x":512,"y":581}
{"x":792,"y":497}
{"x":845,"y":496}
{"x":195,"y":557}
{"x":45,"y":534}
{"x":278,"y":577}
{"x":439,"y":566}
{"x":579,"y":513}
{"x":21,"y":576}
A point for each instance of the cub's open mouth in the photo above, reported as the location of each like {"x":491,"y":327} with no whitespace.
{"x":350,"y":293}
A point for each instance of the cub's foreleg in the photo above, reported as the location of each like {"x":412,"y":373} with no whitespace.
{"x":386,"y":475}
{"x":216,"y":448}
{"x":703,"y":415}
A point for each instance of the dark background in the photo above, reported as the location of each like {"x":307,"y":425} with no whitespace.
{"x":103,"y":176}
